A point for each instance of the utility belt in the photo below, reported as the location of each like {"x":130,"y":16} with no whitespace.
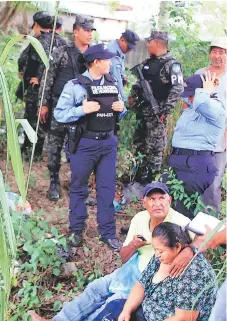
{"x":77,"y":130}
{"x":184,"y":151}
{"x":97,"y":135}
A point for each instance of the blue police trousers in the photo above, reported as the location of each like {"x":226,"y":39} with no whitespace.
{"x":98,"y":156}
{"x":197,"y":172}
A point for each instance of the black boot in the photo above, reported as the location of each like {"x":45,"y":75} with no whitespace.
{"x":54,"y":190}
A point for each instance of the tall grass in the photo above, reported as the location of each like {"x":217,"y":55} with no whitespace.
{"x":7,"y":235}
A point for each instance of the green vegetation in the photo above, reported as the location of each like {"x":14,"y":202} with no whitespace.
{"x":31,"y":250}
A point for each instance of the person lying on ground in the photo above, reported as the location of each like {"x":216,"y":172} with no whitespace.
{"x":94,"y":298}
{"x":189,"y":297}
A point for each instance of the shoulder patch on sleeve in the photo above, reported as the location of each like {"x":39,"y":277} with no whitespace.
{"x":65,"y":95}
{"x":176,"y":67}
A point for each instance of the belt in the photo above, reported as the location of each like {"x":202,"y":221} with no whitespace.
{"x":98,"y":135}
{"x":184,"y":151}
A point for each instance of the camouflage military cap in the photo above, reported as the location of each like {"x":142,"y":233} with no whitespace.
{"x":163,"y":35}
{"x":40,"y":15}
{"x":84,"y":21}
{"x":59,"y":21}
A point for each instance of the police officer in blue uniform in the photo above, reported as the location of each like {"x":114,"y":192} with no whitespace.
{"x":91,"y":102}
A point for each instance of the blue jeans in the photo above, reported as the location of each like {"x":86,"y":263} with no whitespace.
{"x":219,"y":310}
{"x":91,"y":302}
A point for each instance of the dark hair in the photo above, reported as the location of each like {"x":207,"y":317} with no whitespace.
{"x":58,"y":25}
{"x":172,"y":234}
{"x":76,"y":26}
{"x":46,"y":22}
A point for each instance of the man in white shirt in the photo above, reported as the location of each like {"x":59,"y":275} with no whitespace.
{"x":218,"y":55}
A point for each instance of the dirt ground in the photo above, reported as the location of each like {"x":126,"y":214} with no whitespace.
{"x":58,"y":212}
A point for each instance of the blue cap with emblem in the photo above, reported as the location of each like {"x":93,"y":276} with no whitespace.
{"x":131,"y":38}
{"x":155,"y":186}
{"x":190,"y":85}
{"x":99,"y":51}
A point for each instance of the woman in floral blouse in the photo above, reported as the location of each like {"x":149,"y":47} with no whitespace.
{"x":189,"y":297}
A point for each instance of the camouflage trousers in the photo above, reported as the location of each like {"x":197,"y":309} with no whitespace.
{"x":150,"y":140}
{"x":56,"y":139}
{"x":31,"y":107}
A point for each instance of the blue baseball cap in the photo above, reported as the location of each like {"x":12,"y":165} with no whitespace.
{"x":131,"y":37}
{"x":99,"y":51}
{"x":190,"y":85}
{"x":155,"y":185}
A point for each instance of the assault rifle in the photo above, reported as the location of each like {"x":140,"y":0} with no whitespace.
{"x":146,"y":89}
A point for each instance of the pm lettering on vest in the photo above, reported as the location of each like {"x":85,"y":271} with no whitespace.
{"x":104,"y":115}
{"x":97,"y":90}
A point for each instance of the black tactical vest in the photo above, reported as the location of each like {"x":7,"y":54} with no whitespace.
{"x":70,"y":71}
{"x":105,"y":119}
{"x":32,"y":62}
{"x":151,"y":71}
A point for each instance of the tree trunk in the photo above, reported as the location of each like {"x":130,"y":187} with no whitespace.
{"x":163,"y":15}
{"x":5,"y":16}
{"x":25,"y":23}
{"x":9,"y":23}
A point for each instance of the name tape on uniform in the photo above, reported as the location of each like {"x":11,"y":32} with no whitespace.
{"x":97,"y":90}
{"x":104,"y":115}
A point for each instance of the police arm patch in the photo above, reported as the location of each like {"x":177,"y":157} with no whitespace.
{"x":65,"y":95}
{"x":176,"y":67}
{"x":176,"y":74}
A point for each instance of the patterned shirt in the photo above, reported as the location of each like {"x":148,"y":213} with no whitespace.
{"x":161,"y":299}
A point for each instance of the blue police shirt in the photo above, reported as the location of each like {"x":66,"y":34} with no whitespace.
{"x":117,"y":68}
{"x":199,"y":126}
{"x":69,"y":107}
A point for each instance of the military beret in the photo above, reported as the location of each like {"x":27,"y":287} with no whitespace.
{"x":163,"y":35}
{"x":84,"y":21}
{"x":99,"y":51}
{"x":131,"y":38}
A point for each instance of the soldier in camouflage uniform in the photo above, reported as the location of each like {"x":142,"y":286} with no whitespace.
{"x":31,"y":69}
{"x":163,"y":72}
{"x":58,"y":28}
{"x":64,"y":66}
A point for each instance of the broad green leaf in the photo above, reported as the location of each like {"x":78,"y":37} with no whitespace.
{"x":12,"y":138}
{"x":39,"y":48}
{"x":8,"y":47}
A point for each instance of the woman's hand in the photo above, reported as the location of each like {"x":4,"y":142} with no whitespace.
{"x":90,"y":106}
{"x":118,"y":106}
{"x":124,"y":316}
{"x":208,"y":81}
